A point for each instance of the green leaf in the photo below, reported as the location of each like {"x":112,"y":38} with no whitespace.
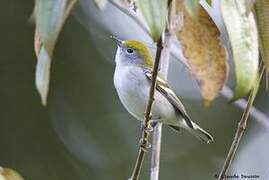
{"x":243,"y":38}
{"x":50,"y":17}
{"x":262,"y":14}
{"x":192,"y":6}
{"x":155,"y":12}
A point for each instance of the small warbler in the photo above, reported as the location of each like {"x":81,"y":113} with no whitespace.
{"x":132,"y":80}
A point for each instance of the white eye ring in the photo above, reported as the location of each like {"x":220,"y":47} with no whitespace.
{"x":129,"y":50}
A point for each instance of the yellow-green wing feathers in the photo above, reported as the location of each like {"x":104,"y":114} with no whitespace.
{"x":163,"y":88}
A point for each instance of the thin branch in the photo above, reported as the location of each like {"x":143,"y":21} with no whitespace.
{"x":240,"y":129}
{"x":256,"y":114}
{"x":157,"y":133}
{"x":155,"y":152}
{"x":147,"y":126}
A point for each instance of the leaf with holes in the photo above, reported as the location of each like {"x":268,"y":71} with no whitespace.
{"x":50,"y":16}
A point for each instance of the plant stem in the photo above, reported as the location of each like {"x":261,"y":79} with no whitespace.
{"x":255,"y":113}
{"x":155,"y":152}
{"x":241,"y":128}
{"x":164,"y":65}
{"x":146,"y":133}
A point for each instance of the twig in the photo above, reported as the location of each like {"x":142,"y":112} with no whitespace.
{"x":147,"y":126}
{"x":240,"y":129}
{"x":256,"y":114}
{"x":164,"y":64}
{"x":155,"y":152}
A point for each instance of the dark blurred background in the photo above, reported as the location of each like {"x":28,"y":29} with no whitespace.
{"x":84,"y":132}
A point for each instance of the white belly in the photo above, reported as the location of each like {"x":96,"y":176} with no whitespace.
{"x":133,"y":90}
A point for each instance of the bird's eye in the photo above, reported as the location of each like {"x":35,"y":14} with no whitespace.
{"x":130,"y":51}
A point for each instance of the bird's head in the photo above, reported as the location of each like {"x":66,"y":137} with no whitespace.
{"x":132,"y":52}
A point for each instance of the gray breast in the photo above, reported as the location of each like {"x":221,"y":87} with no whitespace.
{"x":132,"y":88}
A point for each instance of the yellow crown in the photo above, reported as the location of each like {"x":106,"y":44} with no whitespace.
{"x":142,"y":50}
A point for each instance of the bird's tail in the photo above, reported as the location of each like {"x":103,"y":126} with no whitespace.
{"x":199,"y":133}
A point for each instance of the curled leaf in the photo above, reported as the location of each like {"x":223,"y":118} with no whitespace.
{"x":155,"y":13}
{"x":242,"y":32}
{"x":50,"y":17}
{"x":204,"y":53}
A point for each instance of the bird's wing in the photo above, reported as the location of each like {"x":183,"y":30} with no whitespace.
{"x":163,"y":88}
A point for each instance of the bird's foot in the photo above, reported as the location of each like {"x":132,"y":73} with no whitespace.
{"x":150,"y":127}
{"x":145,"y":145}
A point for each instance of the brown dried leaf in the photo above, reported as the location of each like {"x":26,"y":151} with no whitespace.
{"x":205,"y":55}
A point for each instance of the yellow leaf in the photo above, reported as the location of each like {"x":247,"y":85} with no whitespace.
{"x":205,"y":55}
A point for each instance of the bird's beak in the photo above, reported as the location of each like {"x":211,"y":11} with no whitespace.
{"x":117,"y":41}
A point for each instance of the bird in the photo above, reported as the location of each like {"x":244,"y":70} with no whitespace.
{"x":132,"y":80}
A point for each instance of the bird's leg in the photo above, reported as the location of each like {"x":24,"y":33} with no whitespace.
{"x":152,"y":124}
{"x":144,"y":146}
